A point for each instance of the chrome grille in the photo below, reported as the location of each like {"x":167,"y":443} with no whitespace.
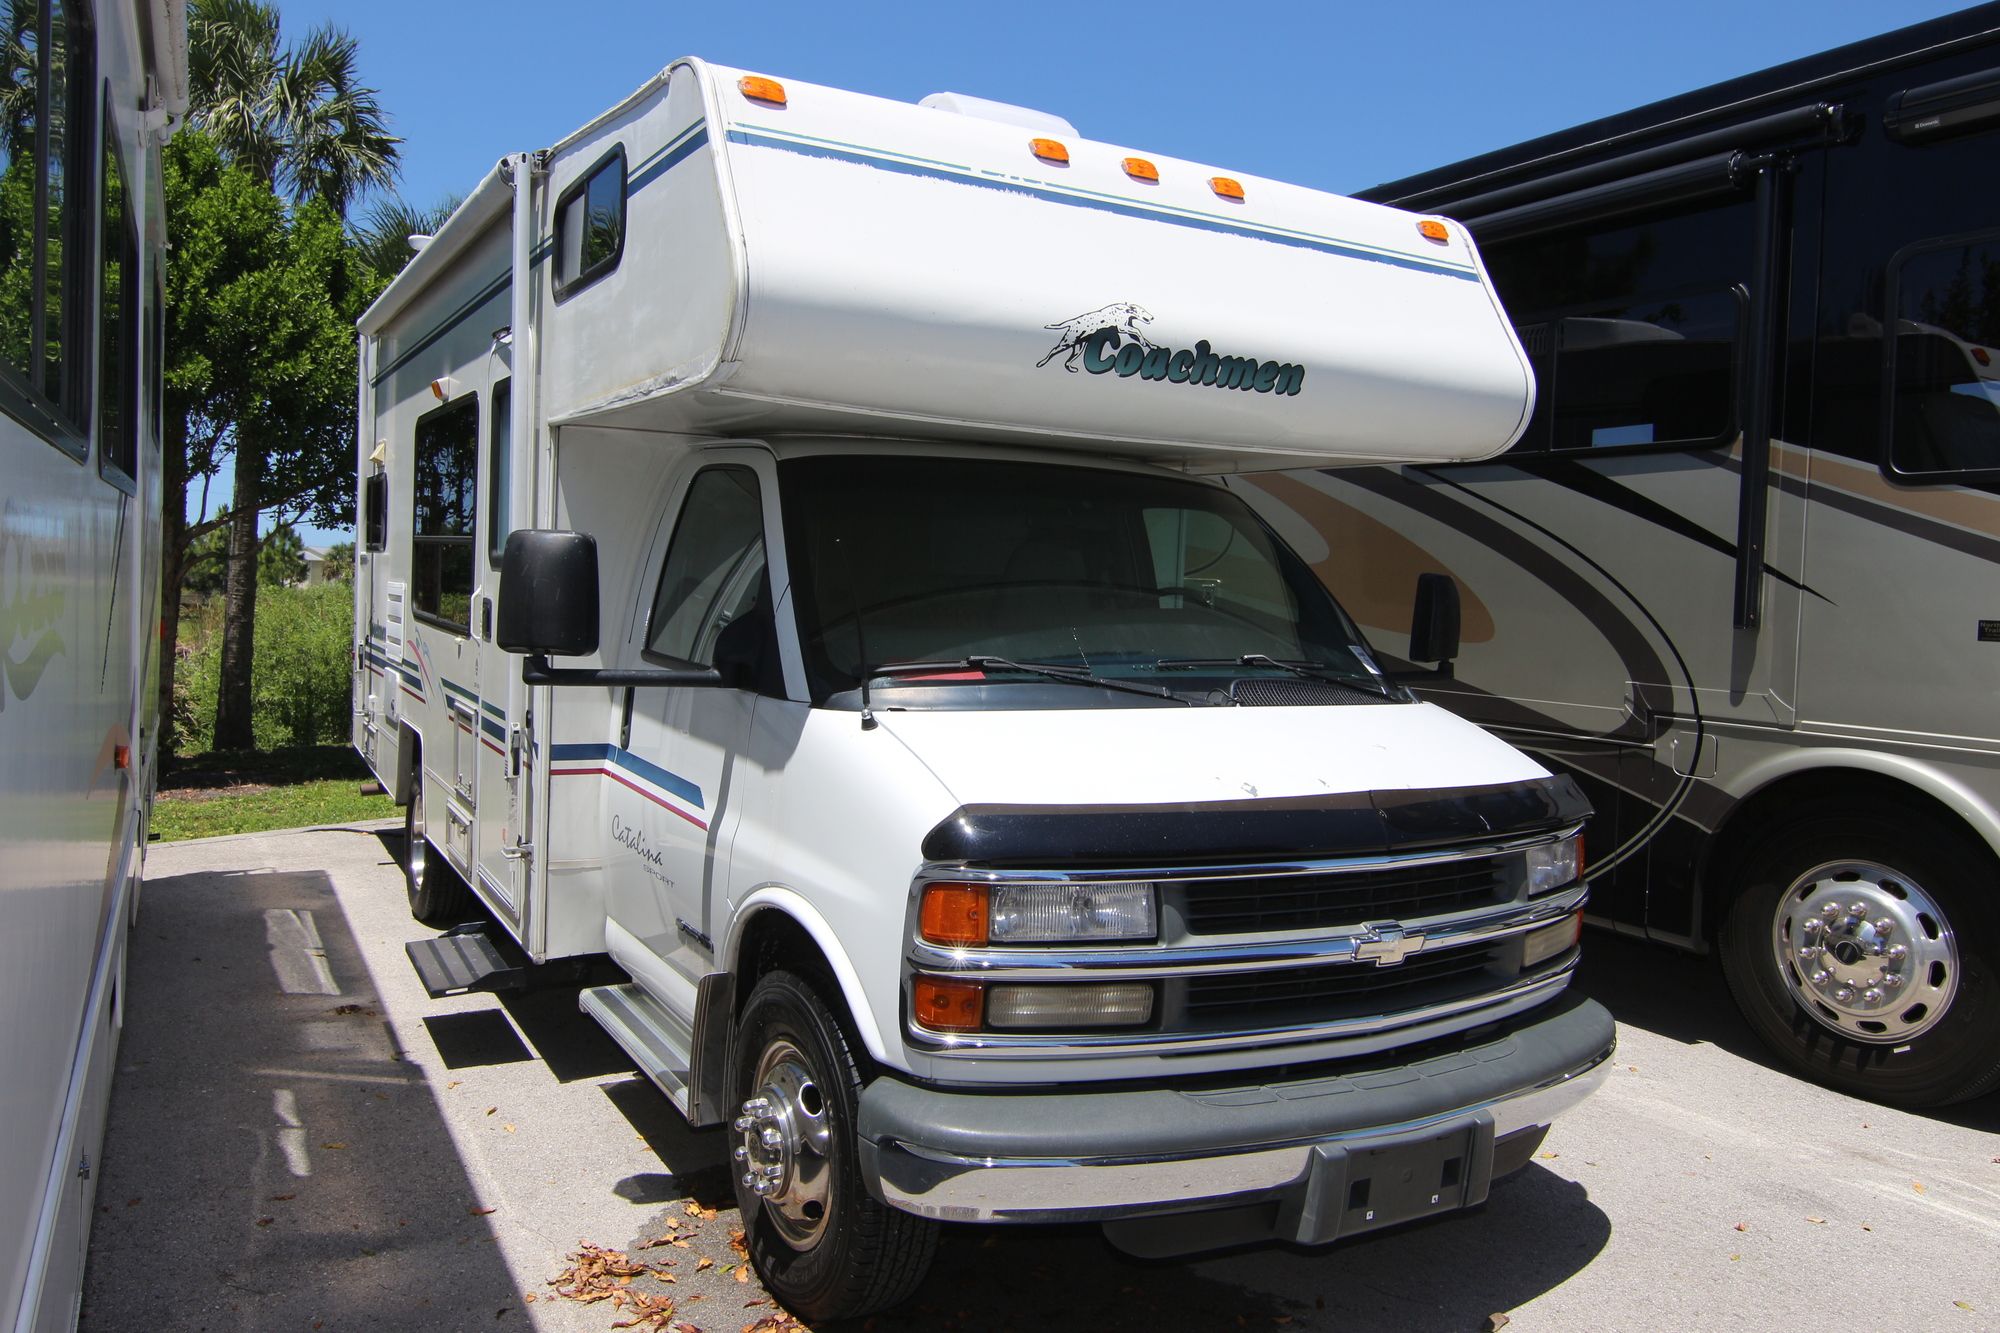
{"x":1345,"y":898}
{"x":1319,"y":994}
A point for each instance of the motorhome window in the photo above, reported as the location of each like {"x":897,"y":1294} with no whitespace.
{"x":117,"y":320}
{"x":46,"y":164}
{"x":1632,"y":328}
{"x":933,"y":559}
{"x":590,"y":225}
{"x":714,"y":571}
{"x":499,"y":449}
{"x":447,"y":476}
{"x":375,"y":511}
{"x":1944,"y":360}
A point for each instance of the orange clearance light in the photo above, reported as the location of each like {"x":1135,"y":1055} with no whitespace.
{"x":1982,"y":356}
{"x":440,"y":390}
{"x":1433,"y":230}
{"x":945,"y":1005}
{"x":121,"y":756}
{"x":1226,"y":187}
{"x":760,"y":89}
{"x":953,"y":914}
{"x":1049,"y":151}
{"x":1139,"y":169}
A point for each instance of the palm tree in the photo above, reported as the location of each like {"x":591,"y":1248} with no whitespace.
{"x":384,"y":235}
{"x":298,"y":119}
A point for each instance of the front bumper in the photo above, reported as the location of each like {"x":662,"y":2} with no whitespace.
{"x":1303,"y":1149}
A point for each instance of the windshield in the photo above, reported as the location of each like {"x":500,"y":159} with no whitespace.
{"x":906,"y":559}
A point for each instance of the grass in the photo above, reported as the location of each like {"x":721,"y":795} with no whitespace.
{"x":211,"y":794}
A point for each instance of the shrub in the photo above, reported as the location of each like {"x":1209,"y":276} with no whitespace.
{"x":301,"y":673}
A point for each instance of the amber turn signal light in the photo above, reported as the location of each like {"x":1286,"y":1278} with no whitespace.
{"x":946,"y":1005}
{"x":1139,"y":169}
{"x":1227,"y":187}
{"x":1049,"y":151}
{"x":1433,"y":230}
{"x":953,"y":914}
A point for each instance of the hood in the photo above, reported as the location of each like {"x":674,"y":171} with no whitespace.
{"x":1167,"y":755}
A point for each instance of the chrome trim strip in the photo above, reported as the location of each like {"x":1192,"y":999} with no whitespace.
{"x":1139,"y":961}
{"x":943,"y":1185}
{"x":1041,"y":1046}
{"x":932,"y":871}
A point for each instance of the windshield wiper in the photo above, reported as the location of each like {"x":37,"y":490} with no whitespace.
{"x":1309,"y":670}
{"x":1068,"y":675}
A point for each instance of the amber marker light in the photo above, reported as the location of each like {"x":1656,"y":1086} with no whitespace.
{"x":953,"y":914}
{"x":760,"y":89}
{"x":1227,"y":187}
{"x":1139,"y":169}
{"x":946,"y":1005}
{"x":1049,"y":151}
{"x":1433,"y":230}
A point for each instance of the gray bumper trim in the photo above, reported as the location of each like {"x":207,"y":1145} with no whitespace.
{"x":1043,"y":1156}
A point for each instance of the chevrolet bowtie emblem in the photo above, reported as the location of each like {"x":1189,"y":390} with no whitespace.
{"x":1386,"y":943}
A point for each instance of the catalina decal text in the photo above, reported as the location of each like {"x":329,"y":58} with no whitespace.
{"x":1108,"y":340}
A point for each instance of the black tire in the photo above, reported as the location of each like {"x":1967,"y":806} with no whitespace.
{"x":438,"y":896}
{"x":864,"y":1256}
{"x":1955,"y":1057}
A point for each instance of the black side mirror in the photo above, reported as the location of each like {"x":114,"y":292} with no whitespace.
{"x":548,"y":593}
{"x":1434,"y":621}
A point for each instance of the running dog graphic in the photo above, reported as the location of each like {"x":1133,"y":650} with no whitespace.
{"x":1122,"y":316}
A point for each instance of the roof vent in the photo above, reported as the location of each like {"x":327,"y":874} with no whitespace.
{"x":1005,"y":112}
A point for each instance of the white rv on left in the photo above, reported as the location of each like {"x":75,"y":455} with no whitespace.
{"x":89,"y":92}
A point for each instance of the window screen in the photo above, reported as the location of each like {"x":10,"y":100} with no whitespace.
{"x":714,"y":570}
{"x":1944,"y":361}
{"x":446,"y":487}
{"x":590,"y":225}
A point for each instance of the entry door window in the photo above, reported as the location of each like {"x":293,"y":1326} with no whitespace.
{"x":714,"y":570}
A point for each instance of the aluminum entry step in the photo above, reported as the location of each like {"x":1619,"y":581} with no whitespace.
{"x":455,"y":963}
{"x":658,"y":1042}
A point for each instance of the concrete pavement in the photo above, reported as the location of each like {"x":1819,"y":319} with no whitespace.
{"x":301,"y":1139}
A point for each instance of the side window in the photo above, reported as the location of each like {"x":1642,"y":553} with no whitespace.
{"x":1633,"y":327}
{"x":499,"y":452}
{"x":117,"y":324}
{"x":714,"y":570}
{"x":590,"y":225}
{"x":446,"y":486}
{"x":1943,"y":381}
{"x":47,"y":161}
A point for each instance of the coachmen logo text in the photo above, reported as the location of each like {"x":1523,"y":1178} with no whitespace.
{"x":1111,"y":340}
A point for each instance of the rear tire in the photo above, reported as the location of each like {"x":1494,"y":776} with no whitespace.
{"x":438,"y":896}
{"x":1828,"y":991}
{"x":823,"y":1245}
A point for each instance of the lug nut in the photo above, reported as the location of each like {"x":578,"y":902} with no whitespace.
{"x":1830,"y":911}
{"x":1871,"y":996}
{"x":773,"y":1172}
{"x":770,"y":1138}
{"x":1898,"y":952}
{"x":749,"y":1180}
{"x":1884,"y":926}
{"x":742,"y":1153}
{"x":1811,"y":925}
{"x":764,"y":1189}
{"x":1858,"y":910}
{"x":1844,"y":994}
{"x":1808,"y":952}
{"x":1893,"y":981}
{"x":1820,"y":976}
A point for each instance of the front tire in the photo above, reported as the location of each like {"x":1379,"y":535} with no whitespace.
{"x":823,"y":1245}
{"x":1896,"y":1001}
{"x":438,"y":896}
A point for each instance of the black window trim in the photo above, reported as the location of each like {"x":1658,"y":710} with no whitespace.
{"x":588,"y":276}
{"x":375,"y":512}
{"x":461,"y":629}
{"x":128,"y":312}
{"x":1892,"y":295}
{"x":646,"y":649}
{"x":500,"y":405}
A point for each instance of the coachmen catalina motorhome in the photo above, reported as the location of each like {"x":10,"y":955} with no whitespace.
{"x":793,"y":568}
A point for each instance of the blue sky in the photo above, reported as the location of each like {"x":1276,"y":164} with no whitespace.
{"x":1334,"y":95}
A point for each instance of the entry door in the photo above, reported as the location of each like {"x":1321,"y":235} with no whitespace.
{"x":502,"y":779}
{"x":668,"y":801}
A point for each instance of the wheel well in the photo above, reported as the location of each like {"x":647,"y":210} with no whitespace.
{"x":1816,"y":792}
{"x":773,"y":939}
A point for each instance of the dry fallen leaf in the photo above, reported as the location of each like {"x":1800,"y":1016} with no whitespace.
{"x":1866,"y":1227}
{"x":1735,"y":1258}
{"x":335,"y":1147}
{"x":508,"y":1128}
{"x":454,"y":1083}
{"x":491,"y":1109}
{"x":743,"y":1274}
{"x":481,"y":1212}
{"x":265,"y":1221}
{"x":1963,"y":1305}
{"x":738,"y":1244}
{"x":703,"y":1264}
{"x":1817,"y":1221}
{"x":1494,"y":1322}
{"x":283,"y":1198}
{"x":1917,"y":1185}
{"x":1549,"y":1154}
{"x":529,"y":1297}
{"x":1742,"y":1226}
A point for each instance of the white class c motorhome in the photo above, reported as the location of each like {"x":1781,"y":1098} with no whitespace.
{"x":994,"y":819}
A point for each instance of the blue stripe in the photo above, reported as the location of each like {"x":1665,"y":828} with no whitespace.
{"x":458,"y":317}
{"x":382,"y":660}
{"x":1106,"y":204}
{"x":493,"y":729}
{"x":625,"y":759}
{"x":672,"y":156}
{"x":458,"y":689}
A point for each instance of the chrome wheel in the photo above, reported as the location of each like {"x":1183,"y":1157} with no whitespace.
{"x":784,"y":1146}
{"x":417,"y":848}
{"x":1866,"y":951}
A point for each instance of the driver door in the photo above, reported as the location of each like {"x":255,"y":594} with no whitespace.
{"x":669,"y":802}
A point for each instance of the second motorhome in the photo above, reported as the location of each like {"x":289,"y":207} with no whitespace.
{"x":794,"y":569}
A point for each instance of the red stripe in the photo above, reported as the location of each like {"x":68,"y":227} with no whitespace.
{"x":624,"y":782}
{"x":413,"y":694}
{"x":491,"y":746}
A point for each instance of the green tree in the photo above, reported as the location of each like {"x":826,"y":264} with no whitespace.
{"x":281,"y":558}
{"x":340,"y":562}
{"x":384,"y":235}
{"x":297,"y":121}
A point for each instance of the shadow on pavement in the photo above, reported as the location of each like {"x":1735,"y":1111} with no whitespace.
{"x":271,"y":1161}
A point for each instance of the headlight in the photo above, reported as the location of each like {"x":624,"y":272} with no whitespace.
{"x":1554,"y":864}
{"x":972,"y":915}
